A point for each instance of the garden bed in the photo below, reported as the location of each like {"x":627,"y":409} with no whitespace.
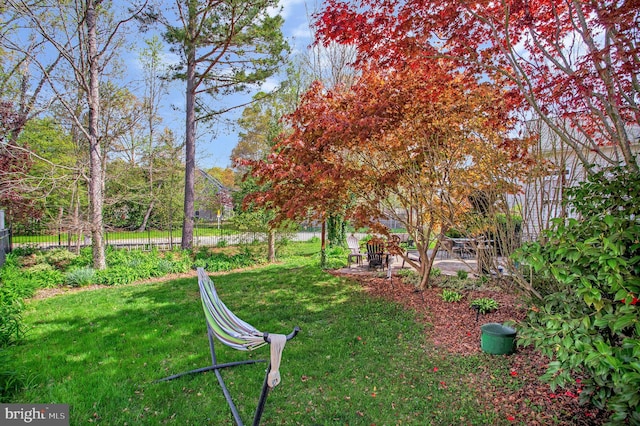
{"x":453,"y":328}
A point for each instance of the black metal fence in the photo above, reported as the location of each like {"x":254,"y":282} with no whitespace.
{"x":205,"y":235}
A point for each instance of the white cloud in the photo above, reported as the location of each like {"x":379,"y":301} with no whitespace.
{"x":289,"y":8}
{"x":270,"y":84}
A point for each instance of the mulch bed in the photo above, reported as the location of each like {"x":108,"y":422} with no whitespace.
{"x":453,"y":327}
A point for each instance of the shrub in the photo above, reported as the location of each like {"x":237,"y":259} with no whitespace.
{"x":59,"y":258}
{"x":590,"y":327}
{"x":410,"y":276}
{"x":84,"y":258}
{"x":225,"y":262}
{"x":484,"y":305}
{"x":11,"y":329}
{"x":15,"y":283}
{"x":43,"y":275}
{"x":26,"y":250}
{"x":14,"y":286}
{"x":81,"y":277}
{"x":116,"y":275}
{"x":435,"y":272}
{"x":463,"y":275}
{"x":450,"y":296}
{"x":178,"y":261}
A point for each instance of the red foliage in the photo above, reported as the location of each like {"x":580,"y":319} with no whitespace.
{"x":577,"y":61}
{"x":14,"y":164}
{"x":383,"y":133}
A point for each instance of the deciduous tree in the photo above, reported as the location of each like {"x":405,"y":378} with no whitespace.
{"x":261,"y":125}
{"x":85,"y":36}
{"x":14,"y":162}
{"x":573,"y":64}
{"x":411,"y":143}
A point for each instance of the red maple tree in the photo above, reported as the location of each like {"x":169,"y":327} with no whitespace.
{"x":572,"y":64}
{"x":410,"y":143}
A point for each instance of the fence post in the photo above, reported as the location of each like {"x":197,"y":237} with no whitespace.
{"x":5,"y":240}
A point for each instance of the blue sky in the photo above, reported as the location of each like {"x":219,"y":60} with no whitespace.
{"x":214,"y":145}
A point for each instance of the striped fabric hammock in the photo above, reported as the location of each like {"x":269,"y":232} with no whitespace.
{"x":225,"y":326}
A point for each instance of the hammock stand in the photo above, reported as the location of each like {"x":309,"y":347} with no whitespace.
{"x":232,"y":331}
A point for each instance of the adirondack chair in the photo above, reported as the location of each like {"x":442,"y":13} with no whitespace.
{"x":354,"y":247}
{"x":376,"y":254}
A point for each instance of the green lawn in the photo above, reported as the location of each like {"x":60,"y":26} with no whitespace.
{"x":357,"y":360}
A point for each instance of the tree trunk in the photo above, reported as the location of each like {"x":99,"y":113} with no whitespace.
{"x":143,"y":225}
{"x":323,"y":244}
{"x":336,"y":231}
{"x":95,"y":154}
{"x":271,"y":255}
{"x":190,"y":152}
{"x":425,"y":269}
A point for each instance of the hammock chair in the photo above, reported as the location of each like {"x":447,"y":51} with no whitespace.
{"x":234,"y":332}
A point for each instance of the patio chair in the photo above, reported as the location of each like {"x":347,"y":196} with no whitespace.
{"x":376,"y":255}
{"x":234,"y":332}
{"x":354,"y":247}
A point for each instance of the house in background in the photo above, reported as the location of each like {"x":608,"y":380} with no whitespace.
{"x":541,"y":197}
{"x":213,"y":198}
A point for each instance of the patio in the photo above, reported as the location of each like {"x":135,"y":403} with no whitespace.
{"x":446,"y":265}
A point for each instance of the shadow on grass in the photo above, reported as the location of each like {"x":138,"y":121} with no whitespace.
{"x":356,"y":360}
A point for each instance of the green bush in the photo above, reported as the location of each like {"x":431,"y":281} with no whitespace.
{"x":43,"y":275}
{"x":14,"y":287}
{"x":484,"y":305}
{"x":224,"y":262}
{"x":16,"y":284}
{"x":59,"y":258}
{"x":590,"y":326}
{"x":435,"y":272}
{"x":177,"y":261}
{"x":84,"y":258}
{"x":80,"y":277}
{"x":410,"y":276}
{"x":11,"y":329}
{"x":462,"y":275}
{"x":450,"y":295}
{"x":336,"y":257}
{"x":117,"y":275}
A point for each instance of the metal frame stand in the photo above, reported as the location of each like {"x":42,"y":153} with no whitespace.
{"x":217,"y":367}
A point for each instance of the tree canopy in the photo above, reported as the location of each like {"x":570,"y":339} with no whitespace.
{"x":413,"y":143}
{"x":572,"y":64}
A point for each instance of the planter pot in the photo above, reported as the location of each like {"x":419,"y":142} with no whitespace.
{"x":497,"y":339}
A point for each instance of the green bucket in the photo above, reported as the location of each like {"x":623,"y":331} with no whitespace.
{"x":497,"y":339}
